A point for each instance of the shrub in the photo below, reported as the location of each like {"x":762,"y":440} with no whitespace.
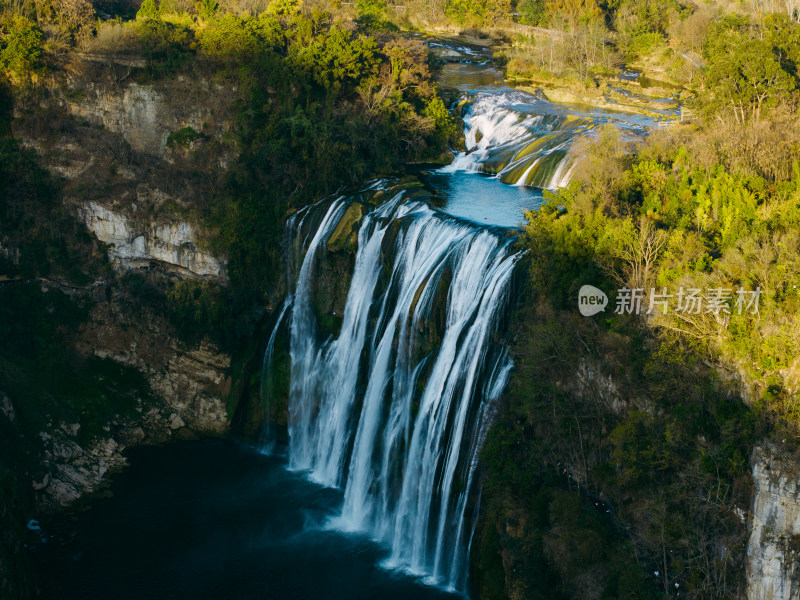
{"x":148,"y":10}
{"x":21,"y":48}
{"x":183,"y":137}
{"x":114,"y":38}
{"x":73,"y":16}
{"x":532,"y":12}
{"x":241,"y":38}
{"x":284,"y":8}
{"x":165,"y":45}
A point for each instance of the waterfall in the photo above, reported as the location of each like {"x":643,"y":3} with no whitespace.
{"x":394,"y":408}
{"x":266,"y":388}
{"x":521,"y":147}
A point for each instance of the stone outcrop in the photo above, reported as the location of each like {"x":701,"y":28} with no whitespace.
{"x":132,"y":245}
{"x":146,"y":114}
{"x":773,"y":552}
{"x":189,"y":386}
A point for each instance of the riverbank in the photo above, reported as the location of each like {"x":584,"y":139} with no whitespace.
{"x":642,"y":88}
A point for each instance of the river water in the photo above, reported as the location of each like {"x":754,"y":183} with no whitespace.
{"x":216,"y":521}
{"x":518,"y":143}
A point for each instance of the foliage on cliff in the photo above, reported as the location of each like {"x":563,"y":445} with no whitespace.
{"x":36,"y":237}
{"x":637,"y":429}
{"x":320,"y":107}
{"x":45,"y":253}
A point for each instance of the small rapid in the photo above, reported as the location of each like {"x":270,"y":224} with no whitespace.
{"x":522,"y":149}
{"x":518,"y":143}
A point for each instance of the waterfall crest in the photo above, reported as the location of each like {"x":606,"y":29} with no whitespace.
{"x":521,"y":148}
{"x":394,"y":408}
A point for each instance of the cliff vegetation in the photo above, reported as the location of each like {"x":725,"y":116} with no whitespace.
{"x":621,"y":466}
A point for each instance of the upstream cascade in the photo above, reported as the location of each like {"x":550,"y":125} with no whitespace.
{"x":393,"y":408}
{"x":521,"y":148}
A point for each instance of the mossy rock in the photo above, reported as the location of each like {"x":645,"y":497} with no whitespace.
{"x":345,"y":236}
{"x":331,"y":285}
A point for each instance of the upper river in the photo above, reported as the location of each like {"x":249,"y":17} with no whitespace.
{"x":518,"y":143}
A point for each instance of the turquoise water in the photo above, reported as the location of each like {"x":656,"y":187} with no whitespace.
{"x":518,"y":143}
{"x":483,"y":198}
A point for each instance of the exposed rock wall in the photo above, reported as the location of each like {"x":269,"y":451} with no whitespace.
{"x":189,"y":387}
{"x":174,"y":243}
{"x":146,"y":114}
{"x":137,"y":193}
{"x":773,"y":552}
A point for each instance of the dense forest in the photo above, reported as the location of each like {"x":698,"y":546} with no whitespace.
{"x":633,"y":503}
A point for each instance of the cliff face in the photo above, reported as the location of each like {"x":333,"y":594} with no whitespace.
{"x":187,"y":392}
{"x":146,"y":114}
{"x":140,"y":161}
{"x":140,"y":194}
{"x":773,"y":552}
{"x":132,"y":244}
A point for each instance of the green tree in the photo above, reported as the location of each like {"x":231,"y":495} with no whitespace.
{"x":745,"y":69}
{"x":532,"y":12}
{"x":148,"y":10}
{"x":241,"y":39}
{"x":21,"y":48}
{"x":337,"y":57}
{"x":284,"y":8}
{"x":641,"y":24}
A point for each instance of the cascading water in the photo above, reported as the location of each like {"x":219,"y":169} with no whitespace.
{"x":394,"y":408}
{"x":266,"y":376}
{"x":522,"y":148}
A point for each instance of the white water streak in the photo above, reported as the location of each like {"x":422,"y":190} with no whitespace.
{"x":492,"y":128}
{"x":395,"y":408}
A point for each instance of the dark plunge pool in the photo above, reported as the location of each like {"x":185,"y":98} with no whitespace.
{"x":215,"y":520}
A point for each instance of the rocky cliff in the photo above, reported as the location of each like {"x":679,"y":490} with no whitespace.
{"x":137,"y":163}
{"x":773,"y":552}
{"x":140,"y":161}
{"x":147,"y":114}
{"x":132,"y":244}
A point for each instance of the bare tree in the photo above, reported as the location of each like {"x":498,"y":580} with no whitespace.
{"x":638,"y":253}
